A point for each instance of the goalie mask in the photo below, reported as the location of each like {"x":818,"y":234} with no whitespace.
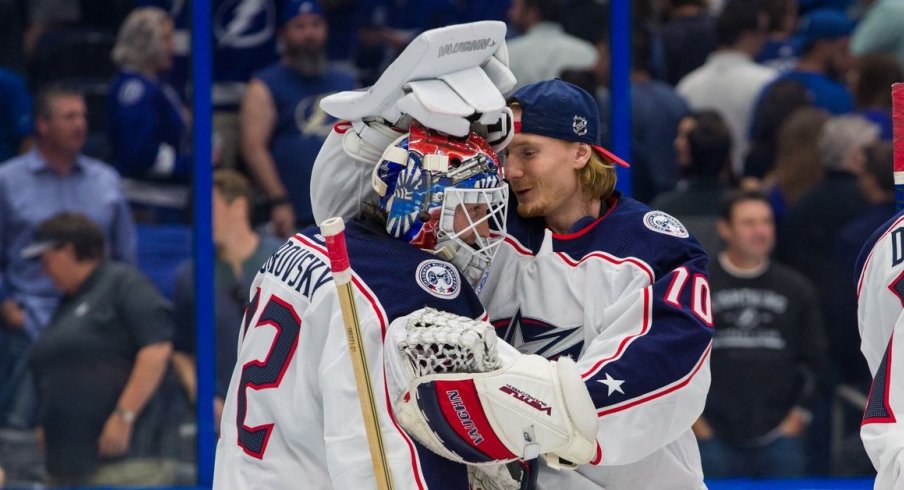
{"x":444,"y":194}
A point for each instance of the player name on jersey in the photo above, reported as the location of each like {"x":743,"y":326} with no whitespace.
{"x":298,"y":267}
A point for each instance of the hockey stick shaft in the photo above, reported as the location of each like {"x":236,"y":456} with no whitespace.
{"x":897,"y":98}
{"x":333,"y":230}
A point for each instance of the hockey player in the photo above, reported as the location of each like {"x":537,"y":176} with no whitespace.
{"x":583,"y":272}
{"x":880,"y":296}
{"x":291,"y":406}
{"x":588,"y":273}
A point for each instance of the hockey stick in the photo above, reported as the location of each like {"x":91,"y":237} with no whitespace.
{"x":897,"y":100}
{"x":333,"y":230}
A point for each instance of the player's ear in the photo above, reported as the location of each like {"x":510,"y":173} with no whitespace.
{"x":581,"y":154}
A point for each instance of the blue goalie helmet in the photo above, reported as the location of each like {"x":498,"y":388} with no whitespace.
{"x":446,"y":195}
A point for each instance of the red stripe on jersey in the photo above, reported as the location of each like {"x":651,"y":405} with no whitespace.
{"x":599,"y":454}
{"x":381,"y":316}
{"x":583,"y":231}
{"x":645,"y":327}
{"x":521,"y":249}
{"x":611,"y":259}
{"x":656,"y":394}
{"x":463,"y":411}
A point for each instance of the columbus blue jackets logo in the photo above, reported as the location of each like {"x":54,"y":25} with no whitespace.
{"x":438,"y":278}
{"x":663,"y":223}
{"x":579,"y":125}
{"x":535,"y":336}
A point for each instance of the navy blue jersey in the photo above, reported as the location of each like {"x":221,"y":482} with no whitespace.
{"x":148,"y":129}
{"x":291,"y":411}
{"x":627,"y":296}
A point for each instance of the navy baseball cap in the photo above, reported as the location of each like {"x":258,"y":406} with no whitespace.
{"x":561,"y":110}
{"x":822,"y":23}
{"x":295,"y":8}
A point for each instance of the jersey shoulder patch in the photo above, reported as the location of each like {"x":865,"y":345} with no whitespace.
{"x":131,"y":91}
{"x":439,"y":278}
{"x":664,"y":223}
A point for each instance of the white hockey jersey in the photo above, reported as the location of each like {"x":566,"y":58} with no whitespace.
{"x":880,"y":303}
{"x":292,"y":418}
{"x":627,"y":296}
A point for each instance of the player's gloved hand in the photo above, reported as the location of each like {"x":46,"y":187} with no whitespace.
{"x":447,"y":78}
{"x":474,"y":400}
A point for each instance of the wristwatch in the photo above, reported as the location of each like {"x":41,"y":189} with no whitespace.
{"x":127,"y":415}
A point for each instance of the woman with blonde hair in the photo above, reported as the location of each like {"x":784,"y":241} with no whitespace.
{"x":148,"y":123}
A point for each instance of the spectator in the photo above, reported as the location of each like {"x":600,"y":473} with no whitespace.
{"x":767,"y":316}
{"x":686,"y":38}
{"x":52,"y":177}
{"x":870,"y":81}
{"x":148,"y":124}
{"x":244,"y":41}
{"x":15,"y":114}
{"x":656,"y":110}
{"x":879,"y":31}
{"x":544,"y":50}
{"x":282,"y":123}
{"x":807,"y":237}
{"x":823,"y":35}
{"x":240,"y":251}
{"x":780,"y":101}
{"x":779,"y":51}
{"x":703,"y":146}
{"x":730,"y":81}
{"x":99,"y":363}
{"x":797,"y":166}
{"x":874,"y":167}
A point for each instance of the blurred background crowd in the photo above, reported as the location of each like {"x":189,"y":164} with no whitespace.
{"x":764,"y":125}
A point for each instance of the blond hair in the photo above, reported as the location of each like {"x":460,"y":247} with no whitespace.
{"x":598,"y":177}
{"x":139,"y":44}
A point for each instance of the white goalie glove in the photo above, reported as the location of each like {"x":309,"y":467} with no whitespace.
{"x":475,"y":400}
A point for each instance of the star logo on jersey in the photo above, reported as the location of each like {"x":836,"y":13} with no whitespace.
{"x":614,"y":385}
{"x":534,"y":336}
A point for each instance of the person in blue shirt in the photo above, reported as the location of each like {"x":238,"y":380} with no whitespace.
{"x":52,"y":177}
{"x":282,"y":125}
{"x":148,"y":124}
{"x":823,"y":36}
{"x":15,"y":114}
{"x":244,"y":41}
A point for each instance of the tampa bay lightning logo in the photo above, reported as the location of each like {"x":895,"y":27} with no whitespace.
{"x":534,"y":336}
{"x":666,"y":224}
{"x":438,"y":278}
{"x":244,"y":23}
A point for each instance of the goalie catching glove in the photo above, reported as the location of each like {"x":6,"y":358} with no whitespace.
{"x":472,"y":399}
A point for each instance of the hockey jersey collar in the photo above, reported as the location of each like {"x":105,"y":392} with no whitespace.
{"x":584,"y":225}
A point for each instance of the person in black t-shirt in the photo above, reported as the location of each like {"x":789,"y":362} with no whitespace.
{"x":100,"y":363}
{"x":768,"y":355}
